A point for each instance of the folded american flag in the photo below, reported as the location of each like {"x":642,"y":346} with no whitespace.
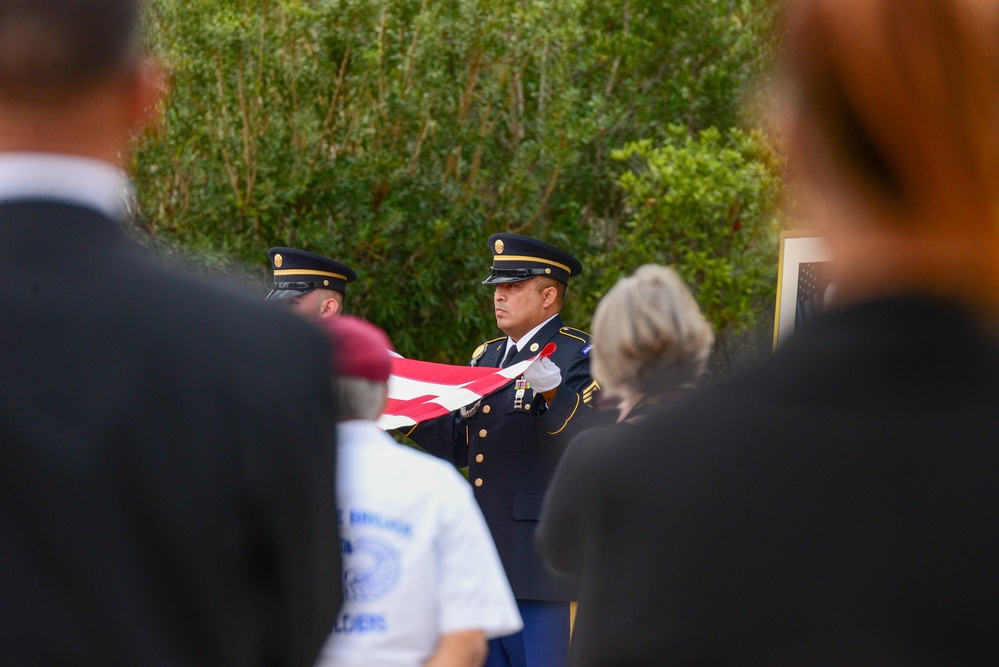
{"x":421,"y":390}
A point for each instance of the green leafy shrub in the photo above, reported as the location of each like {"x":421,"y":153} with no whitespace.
{"x":396,"y":135}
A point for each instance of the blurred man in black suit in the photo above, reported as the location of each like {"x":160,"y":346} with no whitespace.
{"x":166,"y":450}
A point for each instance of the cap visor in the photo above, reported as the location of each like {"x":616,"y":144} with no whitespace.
{"x":499,"y":280}
{"x":279,"y":294}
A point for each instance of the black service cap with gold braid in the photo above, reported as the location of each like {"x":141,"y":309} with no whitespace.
{"x":297,"y":272}
{"x":517,"y":258}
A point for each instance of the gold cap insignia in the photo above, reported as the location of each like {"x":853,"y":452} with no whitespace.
{"x":499,"y":246}
{"x":326,"y":283}
{"x":548,"y":271}
{"x":278,"y":261}
{"x":534,"y":347}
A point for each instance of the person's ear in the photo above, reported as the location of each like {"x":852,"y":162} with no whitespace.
{"x":148,"y":88}
{"x":551,"y":294}
{"x":330,"y":308}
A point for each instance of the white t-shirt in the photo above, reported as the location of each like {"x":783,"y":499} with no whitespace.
{"x":418,"y":559}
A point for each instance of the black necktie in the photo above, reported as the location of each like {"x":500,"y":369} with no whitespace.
{"x":510,"y":354}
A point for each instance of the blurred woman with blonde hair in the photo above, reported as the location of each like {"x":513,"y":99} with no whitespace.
{"x":651,"y":340}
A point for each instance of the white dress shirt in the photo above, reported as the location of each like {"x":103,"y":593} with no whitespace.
{"x":95,"y":184}
{"x":525,"y":339}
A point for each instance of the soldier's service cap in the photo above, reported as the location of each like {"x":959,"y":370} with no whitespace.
{"x":517,"y":258}
{"x":297,"y":272}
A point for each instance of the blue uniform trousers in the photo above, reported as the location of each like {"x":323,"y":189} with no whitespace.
{"x":544,"y":641}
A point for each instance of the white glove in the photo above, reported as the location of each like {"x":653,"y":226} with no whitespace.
{"x":543,"y":375}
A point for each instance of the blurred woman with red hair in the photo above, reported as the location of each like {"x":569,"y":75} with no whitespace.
{"x":836,"y":504}
{"x":891,"y":121}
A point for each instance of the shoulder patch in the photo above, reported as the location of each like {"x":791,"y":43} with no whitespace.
{"x":586,"y":349}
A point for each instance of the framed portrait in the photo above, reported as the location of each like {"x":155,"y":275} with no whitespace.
{"x":803,"y":285}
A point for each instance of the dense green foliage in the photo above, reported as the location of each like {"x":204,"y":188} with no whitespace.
{"x":396,"y":135}
{"x":704,"y":204}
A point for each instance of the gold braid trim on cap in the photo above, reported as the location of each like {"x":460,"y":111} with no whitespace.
{"x":528,"y":258}
{"x":308,"y":272}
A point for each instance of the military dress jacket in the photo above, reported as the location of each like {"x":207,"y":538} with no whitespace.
{"x":511,"y":442}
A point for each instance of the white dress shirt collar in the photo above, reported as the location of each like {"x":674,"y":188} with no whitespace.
{"x":88,"y":182}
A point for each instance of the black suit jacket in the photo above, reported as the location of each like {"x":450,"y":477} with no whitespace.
{"x":511,"y":451}
{"x":836,"y":505}
{"x":166,"y":460}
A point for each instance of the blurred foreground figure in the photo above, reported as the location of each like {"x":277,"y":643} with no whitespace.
{"x":423,"y":584}
{"x":167,"y":457}
{"x":837,"y":505}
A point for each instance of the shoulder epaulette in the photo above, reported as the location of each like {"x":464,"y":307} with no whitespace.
{"x":565,"y":331}
{"x":481,"y":349}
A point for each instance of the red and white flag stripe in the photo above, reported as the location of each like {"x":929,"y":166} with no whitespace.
{"x":421,"y":390}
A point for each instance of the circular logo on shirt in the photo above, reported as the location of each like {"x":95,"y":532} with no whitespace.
{"x":371,"y":569}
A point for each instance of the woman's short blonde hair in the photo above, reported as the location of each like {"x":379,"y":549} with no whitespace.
{"x":649,"y":334}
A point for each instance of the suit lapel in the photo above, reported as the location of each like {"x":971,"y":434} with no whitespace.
{"x":494,"y":355}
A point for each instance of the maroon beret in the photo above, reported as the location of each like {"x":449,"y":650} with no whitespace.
{"x":358,"y":348}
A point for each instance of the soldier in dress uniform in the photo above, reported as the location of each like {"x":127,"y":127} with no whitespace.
{"x":313,"y":285}
{"x":512,"y":439}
